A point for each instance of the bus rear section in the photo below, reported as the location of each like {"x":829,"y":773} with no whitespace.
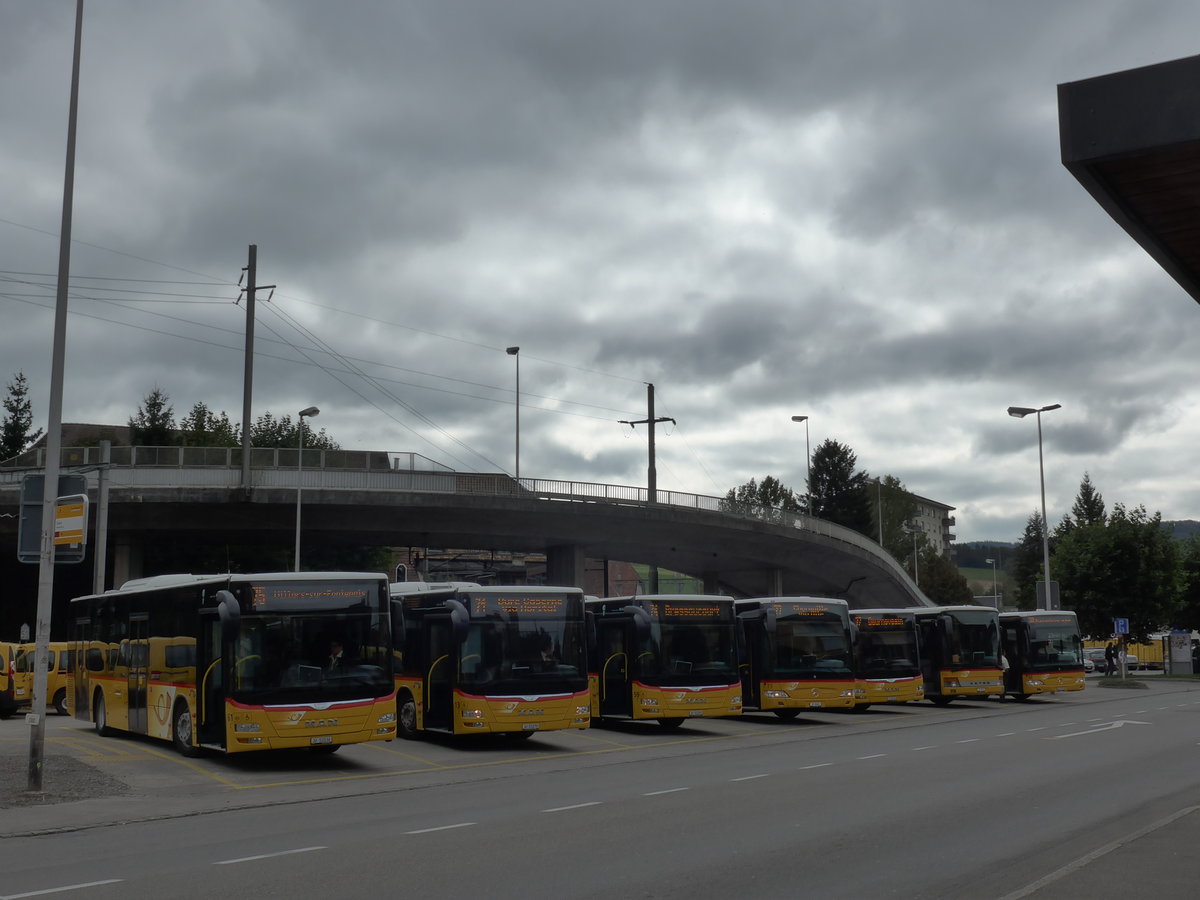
{"x":1044,"y":652}
{"x":58,"y":666}
{"x":798,"y":654}
{"x":489,"y":660}
{"x":960,"y":652}
{"x":8,"y":698}
{"x":668,"y":657}
{"x":887,"y":657}
{"x":237,"y":663}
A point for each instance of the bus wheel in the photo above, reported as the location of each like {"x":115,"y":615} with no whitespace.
{"x":60,"y":702}
{"x":181,"y":730}
{"x":786,"y":713}
{"x":406,"y":717}
{"x":670,"y":724}
{"x":100,"y":717}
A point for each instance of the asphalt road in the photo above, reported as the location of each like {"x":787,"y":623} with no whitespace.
{"x":1064,"y":797}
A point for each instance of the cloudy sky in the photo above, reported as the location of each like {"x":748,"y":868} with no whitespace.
{"x":854,"y":211}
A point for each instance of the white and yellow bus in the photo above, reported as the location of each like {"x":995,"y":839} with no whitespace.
{"x":58,"y":665}
{"x":1044,"y":652}
{"x":669,"y":657}
{"x":887,"y":657}
{"x":236,"y":663}
{"x":489,"y":660}
{"x":799,"y":654}
{"x":960,"y":652}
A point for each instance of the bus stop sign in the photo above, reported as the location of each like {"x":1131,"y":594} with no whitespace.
{"x":69,"y":545}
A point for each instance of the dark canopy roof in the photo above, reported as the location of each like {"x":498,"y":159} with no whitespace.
{"x":1133,"y":140}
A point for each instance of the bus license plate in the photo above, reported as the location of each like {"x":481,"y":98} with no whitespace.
{"x":322,"y":739}
{"x":815,"y":704}
{"x":530,"y":726}
{"x":695,"y":713}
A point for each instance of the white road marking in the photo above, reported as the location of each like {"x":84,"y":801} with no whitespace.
{"x":817,"y":766}
{"x":441,"y":828}
{"x":573,"y":806}
{"x":57,"y":890}
{"x":930,"y":747}
{"x":967,"y":741}
{"x":242,"y":859}
{"x":667,"y":791}
{"x":1006,"y":734}
{"x":873,"y":756}
{"x":750,"y":777}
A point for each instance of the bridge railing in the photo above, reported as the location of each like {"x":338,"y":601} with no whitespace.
{"x":132,"y":467}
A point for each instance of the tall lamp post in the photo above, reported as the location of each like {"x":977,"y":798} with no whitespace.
{"x":307,"y":412}
{"x":515,"y":353}
{"x":808,"y":466}
{"x":1020,"y":412}
{"x":916,"y":573}
{"x":995,"y":593}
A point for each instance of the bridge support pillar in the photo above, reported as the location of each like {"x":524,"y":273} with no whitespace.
{"x":127,"y":561}
{"x":712,"y":582}
{"x":775,"y":583}
{"x":565,"y":565}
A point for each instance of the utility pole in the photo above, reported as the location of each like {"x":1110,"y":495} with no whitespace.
{"x":251,"y":276}
{"x":45,"y":594}
{"x":651,"y":473}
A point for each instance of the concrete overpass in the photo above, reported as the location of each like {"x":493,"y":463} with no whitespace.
{"x":367,"y":498}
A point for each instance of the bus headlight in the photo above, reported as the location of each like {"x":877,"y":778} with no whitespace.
{"x":1036,"y":682}
{"x":472,"y":713}
{"x":387,"y":717}
{"x":245,"y":727}
{"x":583,"y":710}
{"x":649,"y":701}
{"x":849,"y":693}
{"x":776,"y":695}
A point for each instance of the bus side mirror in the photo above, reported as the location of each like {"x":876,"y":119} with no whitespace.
{"x":460,"y":619}
{"x":641,"y":622}
{"x":230,"y":614}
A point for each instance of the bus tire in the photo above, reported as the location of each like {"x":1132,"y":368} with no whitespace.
{"x":670,"y":724}
{"x":182,"y":725}
{"x":60,"y":702}
{"x":786,"y":713}
{"x":406,"y":717}
{"x":100,"y":716}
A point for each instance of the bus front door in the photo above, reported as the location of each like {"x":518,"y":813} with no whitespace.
{"x":440,"y":665}
{"x":614,"y":640}
{"x":137,"y":680}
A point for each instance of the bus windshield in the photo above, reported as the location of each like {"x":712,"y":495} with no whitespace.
{"x":688,"y":644}
{"x":973,"y":639}
{"x":1053,"y":643}
{"x":511,"y":654}
{"x":340,"y":656}
{"x":811,"y":647}
{"x":888,"y":652}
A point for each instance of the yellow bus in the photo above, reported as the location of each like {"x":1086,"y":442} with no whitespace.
{"x":887,"y":657}
{"x":799,"y":654}
{"x":8,"y":698}
{"x":489,"y":660}
{"x":960,"y":652}
{"x":1044,"y":652}
{"x":669,"y":657}
{"x":58,"y":665}
{"x":236,"y":663}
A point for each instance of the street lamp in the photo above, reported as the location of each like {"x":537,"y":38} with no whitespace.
{"x":1020,"y":412}
{"x":995,"y":593}
{"x":808,"y":465}
{"x":308,"y":412}
{"x":916,"y":574}
{"x":515,"y":352}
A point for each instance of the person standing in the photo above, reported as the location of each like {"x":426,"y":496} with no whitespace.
{"x":1110,"y":659}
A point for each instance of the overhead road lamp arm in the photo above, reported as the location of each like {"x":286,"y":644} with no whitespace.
{"x":1020,"y":412}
